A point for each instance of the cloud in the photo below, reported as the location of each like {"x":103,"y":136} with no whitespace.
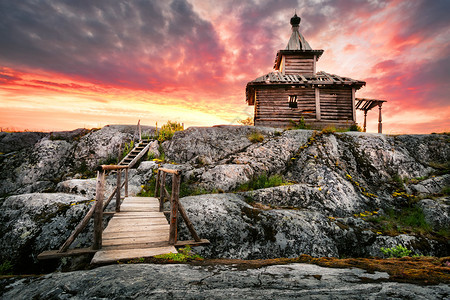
{"x":139,"y":44}
{"x":200,"y":54}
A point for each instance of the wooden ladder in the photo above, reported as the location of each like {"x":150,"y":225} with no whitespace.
{"x":135,"y":154}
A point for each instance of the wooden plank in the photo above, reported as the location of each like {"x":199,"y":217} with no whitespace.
{"x":128,"y":226}
{"x":52,"y":254}
{"x":133,"y":246}
{"x":130,"y":241}
{"x":192,"y":243}
{"x":119,"y":229}
{"x":115,"y":255}
{"x":145,"y":215}
{"x":137,"y":233}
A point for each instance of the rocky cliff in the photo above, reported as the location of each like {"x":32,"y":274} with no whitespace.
{"x":282,"y":194}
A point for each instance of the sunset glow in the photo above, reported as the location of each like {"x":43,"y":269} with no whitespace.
{"x":71,"y":64}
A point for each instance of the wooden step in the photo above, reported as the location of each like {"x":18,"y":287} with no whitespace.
{"x":105,"y":256}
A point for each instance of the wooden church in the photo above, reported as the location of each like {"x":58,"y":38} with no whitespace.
{"x":294,"y":90}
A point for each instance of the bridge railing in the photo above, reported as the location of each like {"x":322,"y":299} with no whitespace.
{"x":100,"y":205}
{"x":175,"y":207}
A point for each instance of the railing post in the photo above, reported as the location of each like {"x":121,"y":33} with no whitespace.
{"x":139,"y":127}
{"x":119,"y":174}
{"x":161,"y":191}
{"x":126,"y":182}
{"x":98,"y":211}
{"x":173,"y":234}
{"x":157,"y":183}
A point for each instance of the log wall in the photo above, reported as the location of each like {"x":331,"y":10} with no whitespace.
{"x":273,"y":103}
{"x":298,"y":65}
{"x":336,"y":103}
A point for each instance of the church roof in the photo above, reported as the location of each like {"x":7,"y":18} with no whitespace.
{"x":320,"y":79}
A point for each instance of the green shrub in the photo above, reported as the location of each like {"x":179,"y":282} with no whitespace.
{"x":262,"y":181}
{"x":110,"y":160}
{"x":248,"y":121}
{"x":167,"y":131}
{"x":329,"y":129}
{"x":183,"y":255}
{"x":398,"y":251}
{"x":298,"y":125}
{"x":127,"y":148}
{"x":355,"y":127}
{"x":6,"y":268}
{"x":255,"y":137}
{"x":148,"y":190}
{"x":187,"y":189}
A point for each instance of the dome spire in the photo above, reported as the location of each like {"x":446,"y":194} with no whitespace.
{"x":297,"y":41}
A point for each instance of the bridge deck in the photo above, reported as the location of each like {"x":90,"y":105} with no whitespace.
{"x":138,"y":230}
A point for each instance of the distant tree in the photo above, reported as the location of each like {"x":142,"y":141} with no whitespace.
{"x":248,"y":121}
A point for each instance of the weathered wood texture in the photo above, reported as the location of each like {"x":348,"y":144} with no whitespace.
{"x":98,"y":211}
{"x":336,"y":103}
{"x":173,"y":235}
{"x":138,"y":230}
{"x":273,"y":103}
{"x":298,"y":65}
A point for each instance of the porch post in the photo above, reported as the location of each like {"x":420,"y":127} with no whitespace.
{"x":380,"y":125}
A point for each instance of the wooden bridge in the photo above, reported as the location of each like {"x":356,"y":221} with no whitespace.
{"x":138,"y":227}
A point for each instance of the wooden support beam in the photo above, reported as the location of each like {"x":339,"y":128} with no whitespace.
{"x":119,"y":175}
{"x":98,"y":212}
{"x":192,"y":243}
{"x":173,"y":234}
{"x":317,"y":97}
{"x":162,"y":191}
{"x":353,"y":105}
{"x":365,"y":122}
{"x":126,"y":182}
{"x":380,"y":125}
{"x":188,"y":222}
{"x":157,"y":183}
{"x":72,"y":252}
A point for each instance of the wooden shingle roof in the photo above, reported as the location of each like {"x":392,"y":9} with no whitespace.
{"x":320,"y":79}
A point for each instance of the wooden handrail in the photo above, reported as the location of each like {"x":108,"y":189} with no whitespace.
{"x":99,"y":206}
{"x":170,"y":171}
{"x":175,"y":204}
{"x":113,"y":167}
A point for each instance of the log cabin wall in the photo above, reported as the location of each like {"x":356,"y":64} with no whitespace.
{"x":336,"y":104}
{"x":294,"y":64}
{"x":272,"y":105}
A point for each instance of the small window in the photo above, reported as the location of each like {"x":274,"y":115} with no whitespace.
{"x":293,"y":101}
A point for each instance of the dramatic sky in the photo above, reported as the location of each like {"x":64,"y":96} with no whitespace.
{"x":70,"y":64}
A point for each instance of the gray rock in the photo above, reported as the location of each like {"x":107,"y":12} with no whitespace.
{"x":292,"y":281}
{"x":209,"y":143}
{"x":15,"y":141}
{"x":33,"y":223}
{"x":430,"y":186}
{"x":60,"y":156}
{"x":436,"y":212}
{"x":338,"y":199}
{"x":226,"y":177}
{"x":237,"y":230}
